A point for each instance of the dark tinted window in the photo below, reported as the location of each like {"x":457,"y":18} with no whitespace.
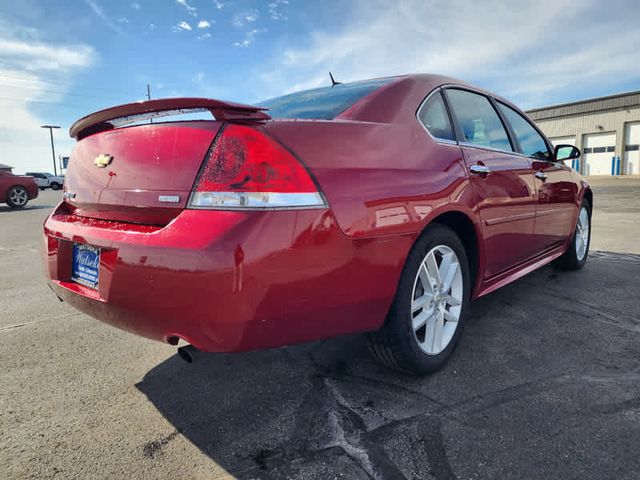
{"x":321,"y":103}
{"x":479,"y":122}
{"x":433,"y":115}
{"x":531,"y":142}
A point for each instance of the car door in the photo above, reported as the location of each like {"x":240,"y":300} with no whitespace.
{"x":501,"y":178}
{"x":557,"y":193}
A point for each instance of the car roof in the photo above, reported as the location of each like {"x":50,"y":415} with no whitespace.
{"x":398,"y":101}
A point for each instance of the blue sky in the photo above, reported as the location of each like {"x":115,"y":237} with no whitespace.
{"x":61,"y":59}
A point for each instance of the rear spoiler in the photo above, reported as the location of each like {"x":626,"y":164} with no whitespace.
{"x":121,"y":115}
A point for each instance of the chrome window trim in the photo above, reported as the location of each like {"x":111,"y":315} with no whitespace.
{"x":424,"y":127}
{"x":491,"y":149}
{"x":509,"y":152}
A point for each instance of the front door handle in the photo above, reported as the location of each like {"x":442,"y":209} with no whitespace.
{"x":479,"y":169}
{"x":541,"y":175}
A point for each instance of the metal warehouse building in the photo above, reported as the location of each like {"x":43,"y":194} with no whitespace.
{"x":606,"y":129}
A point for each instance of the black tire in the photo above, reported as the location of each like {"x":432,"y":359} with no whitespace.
{"x":395,"y":344}
{"x":571,"y":260}
{"x":55,"y":186}
{"x":17,"y":196}
{"x":41,"y":188}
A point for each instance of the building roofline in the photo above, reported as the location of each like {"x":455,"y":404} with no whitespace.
{"x":586,"y":100}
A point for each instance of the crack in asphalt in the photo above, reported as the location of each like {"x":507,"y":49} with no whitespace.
{"x":46,"y":319}
{"x":325,"y":405}
{"x":430,"y":430}
{"x":600,"y":313}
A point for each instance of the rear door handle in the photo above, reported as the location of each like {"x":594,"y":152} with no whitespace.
{"x":479,"y":169}
{"x":541,"y":175}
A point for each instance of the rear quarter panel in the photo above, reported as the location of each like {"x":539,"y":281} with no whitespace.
{"x":380,"y":179}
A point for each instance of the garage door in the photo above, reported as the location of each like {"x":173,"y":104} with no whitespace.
{"x":632,"y":148}
{"x":599,"y":150}
{"x":575,"y":163}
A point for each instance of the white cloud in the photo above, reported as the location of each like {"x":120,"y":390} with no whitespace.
{"x":182,"y":26}
{"x":204,"y":35}
{"x":136,"y":6}
{"x":276,"y":9}
{"x":34,"y":56}
{"x":218,"y":4}
{"x":34,"y":73}
{"x":249,"y":38}
{"x":204,"y":24}
{"x":123,"y":20}
{"x":98,"y":10}
{"x":193,"y":11}
{"x":242,"y":18}
{"x":525,"y":50}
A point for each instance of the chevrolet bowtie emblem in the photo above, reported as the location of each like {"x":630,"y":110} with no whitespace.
{"x":103,"y":160}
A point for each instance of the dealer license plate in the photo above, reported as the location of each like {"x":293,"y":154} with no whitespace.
{"x":85,"y":269}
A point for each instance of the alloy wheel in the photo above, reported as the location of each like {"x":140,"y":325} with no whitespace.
{"x":18,"y":196}
{"x":582,"y":233}
{"x":437,"y":299}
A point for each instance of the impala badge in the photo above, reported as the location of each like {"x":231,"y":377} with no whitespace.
{"x":169,"y":198}
{"x":103,"y":160}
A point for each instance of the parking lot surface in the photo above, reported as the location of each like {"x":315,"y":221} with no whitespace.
{"x":545,"y":383}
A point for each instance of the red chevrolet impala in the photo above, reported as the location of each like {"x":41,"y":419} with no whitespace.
{"x":381,"y":206}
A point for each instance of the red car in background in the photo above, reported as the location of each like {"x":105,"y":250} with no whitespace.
{"x":16,"y":190}
{"x":379,"y":206}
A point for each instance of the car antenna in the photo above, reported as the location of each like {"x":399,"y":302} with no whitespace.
{"x":333,"y":82}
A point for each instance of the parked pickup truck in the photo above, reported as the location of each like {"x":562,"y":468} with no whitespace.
{"x":47,"y":180}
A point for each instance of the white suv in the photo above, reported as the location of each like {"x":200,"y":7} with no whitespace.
{"x":47,"y":180}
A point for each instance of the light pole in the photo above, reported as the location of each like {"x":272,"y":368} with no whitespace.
{"x":53,"y":150}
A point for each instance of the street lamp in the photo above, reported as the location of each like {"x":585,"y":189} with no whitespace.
{"x":53,"y":150}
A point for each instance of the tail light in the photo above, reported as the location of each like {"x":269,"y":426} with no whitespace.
{"x":248,"y":170}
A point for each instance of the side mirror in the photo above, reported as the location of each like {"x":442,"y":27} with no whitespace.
{"x":565,"y":152}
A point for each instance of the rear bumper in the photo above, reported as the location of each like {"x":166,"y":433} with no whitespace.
{"x":228,"y":281}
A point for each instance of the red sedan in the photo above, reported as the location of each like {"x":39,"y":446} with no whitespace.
{"x":381,"y":206}
{"x":17,"y":190}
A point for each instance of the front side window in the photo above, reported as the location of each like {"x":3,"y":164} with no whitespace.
{"x":478,"y":120}
{"x":531,"y":142}
{"x":433,"y":115}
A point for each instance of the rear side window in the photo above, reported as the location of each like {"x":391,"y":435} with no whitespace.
{"x":321,"y":103}
{"x":531,"y":142}
{"x":433,"y":115}
{"x":478,"y":120}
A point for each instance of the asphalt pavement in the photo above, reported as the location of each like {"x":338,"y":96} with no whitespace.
{"x":545,"y":383}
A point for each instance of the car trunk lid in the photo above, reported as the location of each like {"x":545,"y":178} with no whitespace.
{"x":143,"y":173}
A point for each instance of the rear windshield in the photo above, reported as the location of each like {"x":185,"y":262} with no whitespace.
{"x":323,"y":103}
